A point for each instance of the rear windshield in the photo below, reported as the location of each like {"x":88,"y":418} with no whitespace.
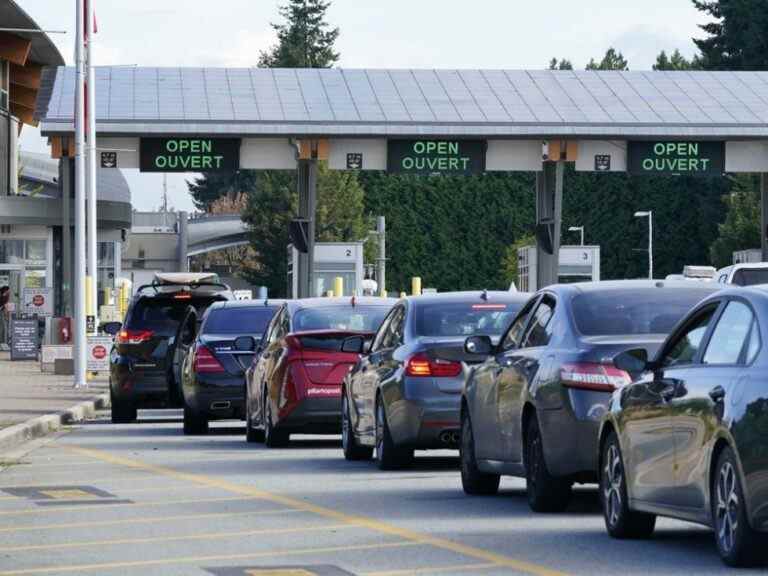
{"x":239,"y":320}
{"x":750,"y":276}
{"x":464,"y":318}
{"x":357,"y":318}
{"x":636,"y":311}
{"x":163,"y":315}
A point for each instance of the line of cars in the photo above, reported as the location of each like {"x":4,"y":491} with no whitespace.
{"x":655,"y":390}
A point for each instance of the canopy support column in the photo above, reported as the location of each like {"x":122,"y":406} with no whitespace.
{"x":307,"y":185}
{"x":764,"y":215}
{"x":549,"y":210}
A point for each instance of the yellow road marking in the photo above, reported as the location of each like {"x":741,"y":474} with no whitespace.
{"x":207,"y":536}
{"x":435,"y":570}
{"x":149,"y":520}
{"x":203,"y":559}
{"x":27,"y":511}
{"x":53,"y":482}
{"x":362,"y":521}
{"x":69,"y":494}
{"x":280,"y":572}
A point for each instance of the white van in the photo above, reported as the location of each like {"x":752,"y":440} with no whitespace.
{"x":747,"y":274}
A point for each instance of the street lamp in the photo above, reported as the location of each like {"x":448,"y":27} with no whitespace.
{"x":649,"y":215}
{"x":578,"y":229}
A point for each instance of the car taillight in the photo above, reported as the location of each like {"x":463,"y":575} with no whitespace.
{"x":206,"y":362}
{"x":133,"y":336}
{"x":423,"y":365}
{"x":593,"y":376}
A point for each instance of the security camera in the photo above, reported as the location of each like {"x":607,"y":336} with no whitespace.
{"x":545,"y":150}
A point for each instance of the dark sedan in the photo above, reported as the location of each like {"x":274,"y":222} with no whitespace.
{"x":533,"y":407}
{"x":405,"y":393}
{"x":689,"y":438}
{"x":295,"y":383}
{"x":213,"y":382}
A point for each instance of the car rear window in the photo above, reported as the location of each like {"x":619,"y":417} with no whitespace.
{"x":239,"y":320}
{"x":464,"y":318}
{"x":357,"y":318}
{"x":636,"y":311}
{"x":750,"y":276}
{"x":163,"y":315}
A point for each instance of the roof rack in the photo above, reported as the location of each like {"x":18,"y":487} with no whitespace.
{"x":156,"y":286}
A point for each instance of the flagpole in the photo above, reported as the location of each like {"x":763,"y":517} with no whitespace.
{"x":93,"y":264}
{"x":79,"y":284}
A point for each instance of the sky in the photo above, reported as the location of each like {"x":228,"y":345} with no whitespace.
{"x":513,"y":34}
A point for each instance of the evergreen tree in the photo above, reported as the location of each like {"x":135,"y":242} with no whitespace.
{"x":741,"y":229}
{"x":563,"y":64}
{"x":612,"y":60}
{"x":676,"y":62}
{"x":304,"y":40}
{"x":211,"y":186}
{"x":738,"y":38}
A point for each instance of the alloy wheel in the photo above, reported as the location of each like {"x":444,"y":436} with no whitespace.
{"x":727,"y":506}
{"x":345,"y":424}
{"x":533,"y":460}
{"x":379,"y":430}
{"x":613,"y":478}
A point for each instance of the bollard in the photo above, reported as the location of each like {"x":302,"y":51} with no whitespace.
{"x":338,"y":286}
{"x":416,"y":286}
{"x":403,"y":294}
{"x":90,"y":305}
{"x":263,"y":293}
{"x":329,"y":293}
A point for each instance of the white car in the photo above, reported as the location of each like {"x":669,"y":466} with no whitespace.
{"x":747,"y":274}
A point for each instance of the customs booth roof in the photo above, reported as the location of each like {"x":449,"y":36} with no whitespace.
{"x":447,"y":103}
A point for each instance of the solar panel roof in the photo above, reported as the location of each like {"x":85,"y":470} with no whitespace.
{"x":378,"y":102}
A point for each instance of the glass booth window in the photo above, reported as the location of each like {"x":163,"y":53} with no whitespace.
{"x":36,"y":252}
{"x":11,"y":251}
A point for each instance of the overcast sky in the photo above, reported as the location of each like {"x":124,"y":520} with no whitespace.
{"x":374,"y":34}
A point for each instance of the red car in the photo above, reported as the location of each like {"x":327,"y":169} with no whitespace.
{"x":294,"y":384}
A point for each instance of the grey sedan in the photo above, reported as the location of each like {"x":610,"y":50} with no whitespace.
{"x":405,"y":391}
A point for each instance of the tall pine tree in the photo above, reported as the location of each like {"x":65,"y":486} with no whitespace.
{"x":738,"y":38}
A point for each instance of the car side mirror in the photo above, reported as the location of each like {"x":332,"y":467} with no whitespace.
{"x":632,"y":361}
{"x":245,"y":344}
{"x":354,"y":345}
{"x":112,"y":328}
{"x":479,"y":345}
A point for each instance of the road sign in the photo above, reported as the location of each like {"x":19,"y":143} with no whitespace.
{"x":38,"y":301}
{"x":355,"y":161}
{"x":109,"y":159}
{"x":98,"y":353}
{"x":25,"y":339}
{"x":183,"y":154}
{"x":448,"y":157}
{"x":602,"y":162}
{"x":683,"y":158}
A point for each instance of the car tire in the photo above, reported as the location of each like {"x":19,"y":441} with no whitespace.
{"x":123,"y":411}
{"x":738,"y":544}
{"x":388,"y":455}
{"x":252,"y":435}
{"x":474,"y":482}
{"x":273,"y":438}
{"x":620,"y":521}
{"x":352,"y":450}
{"x":194,"y":423}
{"x":546,"y":493}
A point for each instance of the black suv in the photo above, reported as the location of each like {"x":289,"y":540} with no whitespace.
{"x":145,"y":364}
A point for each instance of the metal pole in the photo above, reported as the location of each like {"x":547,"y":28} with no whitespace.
{"x":93,"y":254}
{"x":650,"y":245}
{"x":302,"y":271}
{"x":183,"y":227}
{"x":79,"y":280}
{"x":582,"y":235}
{"x":381,"y":275}
{"x":764,"y":216}
{"x":67,"y":183}
{"x":312,"y":197}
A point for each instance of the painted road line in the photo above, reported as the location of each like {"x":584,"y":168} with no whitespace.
{"x":154,"y":539}
{"x":147,"y":520}
{"x":362,"y":521}
{"x":133,"y":491}
{"x":98,"y":480}
{"x":202,"y":559}
{"x":462,"y":569}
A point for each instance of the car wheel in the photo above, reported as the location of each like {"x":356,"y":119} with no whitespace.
{"x":352,"y":450}
{"x":388,"y":455}
{"x":473,"y":480}
{"x":251,"y":434}
{"x":194,"y":423}
{"x":272,"y":438}
{"x":546,"y":493}
{"x":123,"y":411}
{"x":737,"y":543}
{"x":620,"y":521}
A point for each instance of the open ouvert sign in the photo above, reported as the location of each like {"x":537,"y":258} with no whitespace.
{"x":677,"y":158}
{"x":183,"y":154}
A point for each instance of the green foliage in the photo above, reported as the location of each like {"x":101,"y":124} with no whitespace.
{"x":509,"y":263}
{"x":612,"y":60}
{"x":741,"y":229}
{"x":304,"y":40}
{"x":210,"y":186}
{"x":561,"y":65}
{"x":676,"y":62}
{"x":738,"y":38}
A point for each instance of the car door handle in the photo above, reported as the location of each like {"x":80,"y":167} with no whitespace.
{"x":717,"y":394}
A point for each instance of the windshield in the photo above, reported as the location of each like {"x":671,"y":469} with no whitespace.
{"x":239,"y":320}
{"x":635,"y":311}
{"x":464,"y":318}
{"x":347,"y":318}
{"x":163,"y":315}
{"x":750,"y":276}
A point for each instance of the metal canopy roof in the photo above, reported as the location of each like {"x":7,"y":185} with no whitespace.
{"x":43,"y":49}
{"x":380,"y":103}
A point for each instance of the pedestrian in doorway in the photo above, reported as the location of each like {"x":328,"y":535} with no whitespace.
{"x":5,"y":298}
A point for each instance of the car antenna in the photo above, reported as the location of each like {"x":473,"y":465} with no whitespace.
{"x":484,"y":295}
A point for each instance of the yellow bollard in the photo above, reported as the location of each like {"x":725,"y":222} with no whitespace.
{"x":329,"y":293}
{"x":416,"y":286}
{"x":338,"y":286}
{"x":383,"y":293}
{"x":403,"y":294}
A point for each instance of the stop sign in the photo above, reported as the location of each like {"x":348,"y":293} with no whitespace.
{"x":99,"y":352}
{"x":38,"y":300}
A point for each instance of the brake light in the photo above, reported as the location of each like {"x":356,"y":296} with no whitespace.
{"x":422,"y":365}
{"x":133,"y":336}
{"x":593,"y":376}
{"x":182,"y":296}
{"x":206,"y":362}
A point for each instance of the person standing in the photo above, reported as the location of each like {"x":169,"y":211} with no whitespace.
{"x":5,"y":298}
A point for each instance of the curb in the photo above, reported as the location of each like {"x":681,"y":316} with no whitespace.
{"x":17,"y":434}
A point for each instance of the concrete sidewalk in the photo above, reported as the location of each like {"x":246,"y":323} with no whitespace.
{"x":33,"y":403}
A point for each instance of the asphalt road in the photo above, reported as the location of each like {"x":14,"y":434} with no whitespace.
{"x":144,"y":499}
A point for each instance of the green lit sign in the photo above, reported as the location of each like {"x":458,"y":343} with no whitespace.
{"x":677,"y":158}
{"x":456,"y":157}
{"x":183,"y":154}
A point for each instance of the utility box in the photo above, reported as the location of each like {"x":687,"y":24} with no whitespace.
{"x":748,"y":256}
{"x":332,"y":260}
{"x":577,"y":264}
